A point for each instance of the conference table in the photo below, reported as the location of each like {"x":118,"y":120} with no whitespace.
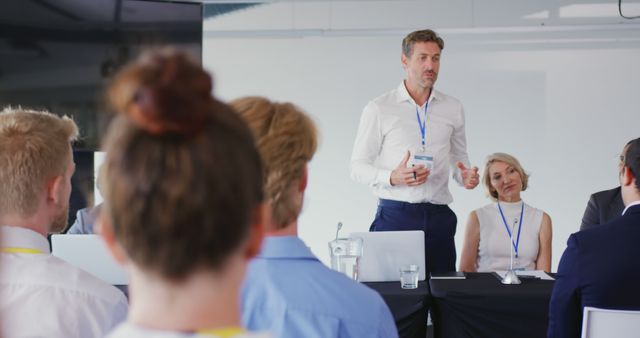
{"x":477,"y":306}
{"x":480,"y":306}
{"x":409,"y":307}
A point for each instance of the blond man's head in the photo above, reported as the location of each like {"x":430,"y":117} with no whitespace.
{"x":34,"y":147}
{"x":287,"y":140}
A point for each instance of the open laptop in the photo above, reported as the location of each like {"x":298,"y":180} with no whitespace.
{"x":384,"y":252}
{"x":89,"y":253}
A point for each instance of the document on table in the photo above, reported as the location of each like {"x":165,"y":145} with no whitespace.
{"x":448,"y":275}
{"x":536,"y":274}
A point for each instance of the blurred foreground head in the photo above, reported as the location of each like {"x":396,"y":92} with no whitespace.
{"x":287,"y":140}
{"x":182,"y":177}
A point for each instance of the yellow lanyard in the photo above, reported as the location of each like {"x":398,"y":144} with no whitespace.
{"x":22,"y":250}
{"x":227,"y":332}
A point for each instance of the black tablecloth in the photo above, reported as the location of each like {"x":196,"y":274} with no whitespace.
{"x":409,"y":307}
{"x":480,"y":306}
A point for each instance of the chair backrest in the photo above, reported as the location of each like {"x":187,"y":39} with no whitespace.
{"x":605,"y":323}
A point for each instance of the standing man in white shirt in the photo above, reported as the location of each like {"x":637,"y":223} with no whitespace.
{"x":407,"y":141}
{"x":41,"y":295}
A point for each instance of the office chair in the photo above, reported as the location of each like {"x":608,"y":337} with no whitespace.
{"x":605,"y":323}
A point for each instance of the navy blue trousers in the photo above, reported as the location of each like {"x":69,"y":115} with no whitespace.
{"x":437,"y":221}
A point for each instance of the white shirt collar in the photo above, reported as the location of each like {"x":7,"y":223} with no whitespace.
{"x":403,"y":94}
{"x":630,"y":205}
{"x":17,"y":237}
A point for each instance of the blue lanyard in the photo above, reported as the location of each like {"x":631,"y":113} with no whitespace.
{"x":422,"y":124}
{"x":517,"y":243}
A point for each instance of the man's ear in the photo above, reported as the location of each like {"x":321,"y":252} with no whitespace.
{"x":403,"y":60}
{"x":626,"y":178}
{"x":257,"y":230}
{"x":55,"y":190}
{"x":105,"y":230}
{"x":304,"y":179}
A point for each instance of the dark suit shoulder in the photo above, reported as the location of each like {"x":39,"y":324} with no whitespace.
{"x":598,"y":268}
{"x":606,"y":196}
{"x":610,"y":229}
{"x":603,"y":206}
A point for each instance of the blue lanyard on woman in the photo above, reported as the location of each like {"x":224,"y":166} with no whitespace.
{"x":422,"y":124}
{"x":517,"y":243}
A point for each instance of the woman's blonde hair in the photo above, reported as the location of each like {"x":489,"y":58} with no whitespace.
{"x":508,"y":159}
{"x":286,"y":139}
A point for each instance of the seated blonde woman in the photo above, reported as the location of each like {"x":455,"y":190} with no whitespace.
{"x":489,"y":229}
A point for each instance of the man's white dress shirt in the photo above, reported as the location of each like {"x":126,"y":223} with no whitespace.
{"x":43,"y":296}
{"x":389,"y":127}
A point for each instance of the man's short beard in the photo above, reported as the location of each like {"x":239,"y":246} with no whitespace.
{"x":60,"y":222}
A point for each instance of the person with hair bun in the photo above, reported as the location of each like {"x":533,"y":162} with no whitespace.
{"x":506,"y":225}
{"x":287,"y":289}
{"x":183,"y":203}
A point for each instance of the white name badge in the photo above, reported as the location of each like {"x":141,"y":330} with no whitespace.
{"x":424,"y":158}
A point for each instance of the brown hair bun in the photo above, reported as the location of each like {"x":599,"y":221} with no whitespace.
{"x":163,"y":92}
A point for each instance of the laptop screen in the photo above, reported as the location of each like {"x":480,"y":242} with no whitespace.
{"x":384,"y":252}
{"x":89,"y":253}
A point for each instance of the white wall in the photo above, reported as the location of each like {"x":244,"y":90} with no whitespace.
{"x":564,"y":100}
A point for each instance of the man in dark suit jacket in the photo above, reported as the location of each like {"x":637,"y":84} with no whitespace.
{"x":600,"y":266}
{"x":603,"y":206}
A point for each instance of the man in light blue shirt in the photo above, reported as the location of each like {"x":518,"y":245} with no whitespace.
{"x":86,"y":217}
{"x":287,"y":290}
{"x":85,"y":221}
